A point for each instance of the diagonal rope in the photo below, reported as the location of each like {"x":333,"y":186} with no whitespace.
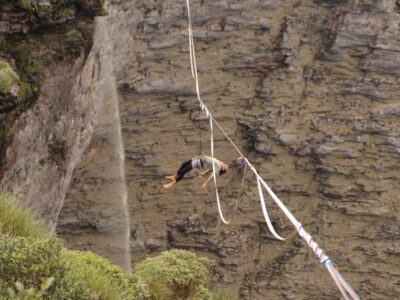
{"x":343,"y":286}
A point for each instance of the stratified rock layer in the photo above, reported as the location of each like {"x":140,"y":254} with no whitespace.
{"x":26,"y":15}
{"x":49,"y":138}
{"x":309,"y":90}
{"x":94,"y":215}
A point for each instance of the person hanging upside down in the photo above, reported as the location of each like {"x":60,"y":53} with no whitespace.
{"x":199,"y":163}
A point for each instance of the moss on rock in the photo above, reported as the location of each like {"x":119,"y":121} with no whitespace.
{"x":8,"y":78}
{"x":24,"y":4}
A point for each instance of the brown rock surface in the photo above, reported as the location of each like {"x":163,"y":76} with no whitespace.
{"x":94,"y":214}
{"x":26,"y":15}
{"x":49,"y":138}
{"x":309,"y":90}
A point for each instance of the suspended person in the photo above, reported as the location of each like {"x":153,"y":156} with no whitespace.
{"x":198,"y":162}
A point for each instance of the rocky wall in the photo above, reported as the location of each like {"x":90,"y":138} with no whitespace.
{"x":49,"y":137}
{"x":308,"y":90}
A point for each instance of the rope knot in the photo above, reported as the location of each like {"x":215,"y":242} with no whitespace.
{"x":326,"y":262}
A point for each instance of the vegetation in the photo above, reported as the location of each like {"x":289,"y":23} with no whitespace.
{"x":175,"y":274}
{"x":18,"y":222}
{"x":28,"y":67}
{"x":8,"y":77}
{"x":97,"y":277}
{"x":34,"y":265}
{"x":25,"y":4}
{"x":28,"y":261}
{"x":51,"y":42}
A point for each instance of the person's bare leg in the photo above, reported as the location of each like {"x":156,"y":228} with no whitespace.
{"x":169,"y":185}
{"x":171,"y":177}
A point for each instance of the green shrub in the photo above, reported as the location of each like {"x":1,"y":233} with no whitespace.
{"x":26,"y":63}
{"x":74,"y":37}
{"x":97,"y":277}
{"x":29,"y":262}
{"x":29,"y":68}
{"x":15,"y":221}
{"x":175,"y":274}
{"x":7,"y":77}
{"x":22,"y":293}
{"x":33,"y":265}
{"x":41,"y":269}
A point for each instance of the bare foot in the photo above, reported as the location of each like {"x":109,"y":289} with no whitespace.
{"x":171,"y":177}
{"x":169,"y":185}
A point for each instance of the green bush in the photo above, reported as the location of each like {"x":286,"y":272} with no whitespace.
{"x":29,"y":256}
{"x":42,"y":269}
{"x":15,"y":221}
{"x":29,"y":262}
{"x":7,"y":77}
{"x":29,"y":69}
{"x":27,"y":65}
{"x":34,"y":265}
{"x":175,"y":274}
{"x":22,"y":293}
{"x":97,"y":277}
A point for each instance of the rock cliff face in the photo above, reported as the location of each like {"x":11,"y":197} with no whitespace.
{"x":57,"y":99}
{"x":308,"y":89}
{"x":65,"y":101}
{"x":94,"y":214}
{"x":23,"y":16}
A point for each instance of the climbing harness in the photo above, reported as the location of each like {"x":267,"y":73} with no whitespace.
{"x":345,"y":289}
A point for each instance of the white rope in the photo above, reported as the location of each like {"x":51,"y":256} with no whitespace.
{"x":344,"y":284}
{"x":341,"y":283}
{"x":193,"y":64}
{"x":214,"y":175}
{"x":262,"y":201}
{"x":265,"y":212}
{"x":331,"y":271}
{"x":190,"y":38}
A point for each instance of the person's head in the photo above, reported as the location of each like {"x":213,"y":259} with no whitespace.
{"x":224,"y":168}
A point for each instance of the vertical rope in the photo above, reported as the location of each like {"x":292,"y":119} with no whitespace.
{"x":190,"y":38}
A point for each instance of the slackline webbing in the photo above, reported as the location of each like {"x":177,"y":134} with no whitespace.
{"x":345,"y":289}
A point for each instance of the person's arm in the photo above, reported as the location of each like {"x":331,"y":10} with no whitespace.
{"x":201,"y":174}
{"x":204,"y":185}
